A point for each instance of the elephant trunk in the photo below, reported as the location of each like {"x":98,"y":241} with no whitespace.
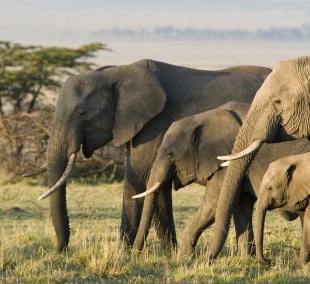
{"x":261,"y":210}
{"x":58,"y":206}
{"x":159,"y":173}
{"x":236,"y":171}
{"x":57,"y":160}
{"x":226,"y":203}
{"x":145,"y":222}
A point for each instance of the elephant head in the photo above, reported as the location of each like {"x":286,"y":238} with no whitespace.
{"x":280,"y":111}
{"x":188,"y":153}
{"x":285,"y":184}
{"x":190,"y":146}
{"x":92,"y":109}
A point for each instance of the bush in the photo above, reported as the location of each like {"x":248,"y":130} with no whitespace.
{"x":23,"y":144}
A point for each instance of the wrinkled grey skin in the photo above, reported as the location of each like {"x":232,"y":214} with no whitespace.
{"x":286,"y":185}
{"x":280,"y":111}
{"x":189,"y":153}
{"x":134,"y":104}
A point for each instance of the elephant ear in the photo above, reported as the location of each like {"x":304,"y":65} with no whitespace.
{"x":298,"y":188}
{"x":217,"y":137}
{"x":139,"y":97}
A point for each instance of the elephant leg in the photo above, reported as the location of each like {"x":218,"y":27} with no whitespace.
{"x":131,"y":213}
{"x":203,"y":218}
{"x":305,"y":246}
{"x":242,"y":216}
{"x":163,"y":217}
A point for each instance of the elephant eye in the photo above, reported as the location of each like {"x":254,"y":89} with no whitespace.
{"x":81,"y":113}
{"x":170,"y":156}
{"x":277,"y":105}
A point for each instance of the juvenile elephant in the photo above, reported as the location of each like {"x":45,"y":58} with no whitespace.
{"x":286,"y":185}
{"x":189,"y":152}
{"x":133,"y":104}
{"x":280,"y":111}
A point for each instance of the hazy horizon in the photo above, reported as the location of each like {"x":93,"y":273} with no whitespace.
{"x":75,"y":22}
{"x":60,"y":20}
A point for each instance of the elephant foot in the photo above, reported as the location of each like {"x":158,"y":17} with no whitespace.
{"x":209,"y":260}
{"x":264,"y":261}
{"x":169,"y":244}
{"x":247,"y":249}
{"x":186,"y":252}
{"x":304,"y":260}
{"x":304,"y":256}
{"x":127,"y":238}
{"x":138,"y":243}
{"x":135,"y":252}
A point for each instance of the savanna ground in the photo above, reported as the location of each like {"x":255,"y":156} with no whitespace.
{"x":27,"y":243}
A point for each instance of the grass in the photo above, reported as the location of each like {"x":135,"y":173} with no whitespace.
{"x":96,"y":256}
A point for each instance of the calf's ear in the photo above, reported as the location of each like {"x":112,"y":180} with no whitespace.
{"x":298,"y":189}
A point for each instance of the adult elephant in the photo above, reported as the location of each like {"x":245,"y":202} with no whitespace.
{"x":286,"y":185}
{"x":188,"y":153}
{"x":133,"y":104}
{"x":279,"y":111}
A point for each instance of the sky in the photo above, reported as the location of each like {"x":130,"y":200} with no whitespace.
{"x":74,"y":22}
{"x":48,"y":20}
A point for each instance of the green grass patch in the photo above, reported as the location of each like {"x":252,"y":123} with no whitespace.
{"x":27,"y":246}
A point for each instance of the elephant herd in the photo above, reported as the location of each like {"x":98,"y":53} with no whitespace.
{"x":242,"y":132}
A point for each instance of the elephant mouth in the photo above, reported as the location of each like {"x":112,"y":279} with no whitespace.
{"x":284,"y":135}
{"x":275,"y":204}
{"x":182,"y":178}
{"x":301,"y":205}
{"x":86,"y":148}
{"x":87,"y":152}
{"x":94,"y":140}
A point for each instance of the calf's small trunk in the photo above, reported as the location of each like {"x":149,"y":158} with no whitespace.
{"x":259,"y":231}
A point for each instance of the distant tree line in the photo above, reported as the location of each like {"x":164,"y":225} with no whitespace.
{"x":301,"y":33}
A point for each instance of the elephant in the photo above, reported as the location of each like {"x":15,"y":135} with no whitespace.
{"x":279,"y":112}
{"x":132,"y":104}
{"x":188,"y":153}
{"x":285,"y":184}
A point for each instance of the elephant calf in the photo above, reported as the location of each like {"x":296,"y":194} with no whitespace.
{"x":188,"y":153}
{"x":286,"y":185}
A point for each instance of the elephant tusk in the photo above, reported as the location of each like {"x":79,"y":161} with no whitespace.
{"x":63,"y":178}
{"x":36,"y":172}
{"x":252,"y":148}
{"x":225,"y":164}
{"x":149,"y":191}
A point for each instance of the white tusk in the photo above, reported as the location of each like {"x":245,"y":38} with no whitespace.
{"x":149,"y":191}
{"x":225,"y":164}
{"x":252,"y":148}
{"x":63,"y":178}
{"x":36,"y":172}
